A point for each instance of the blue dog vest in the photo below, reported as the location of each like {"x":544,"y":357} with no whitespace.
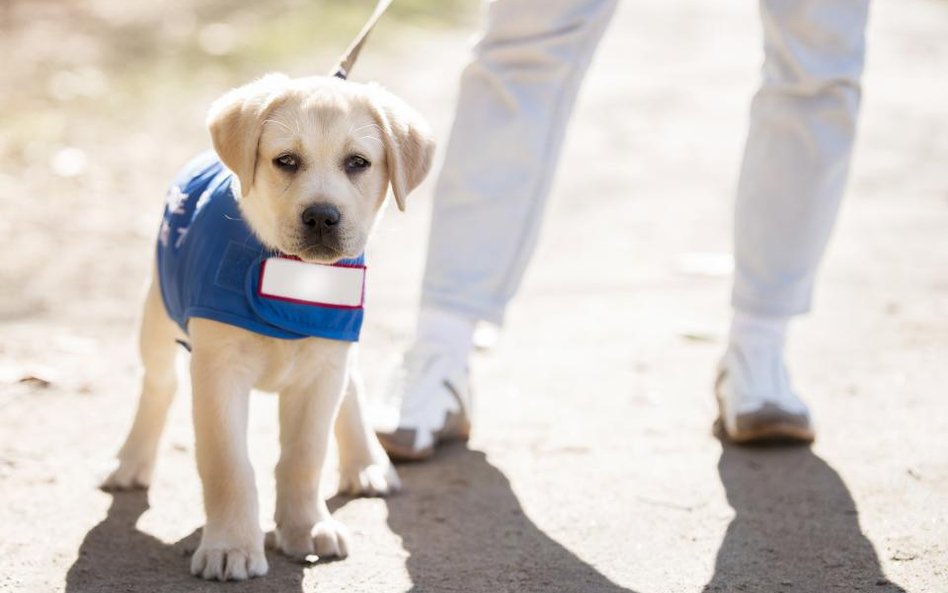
{"x":210,"y":265}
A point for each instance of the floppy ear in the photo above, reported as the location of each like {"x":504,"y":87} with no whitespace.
{"x":236,"y":120}
{"x":409,"y":146}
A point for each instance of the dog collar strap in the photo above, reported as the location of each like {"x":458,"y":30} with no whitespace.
{"x":290,"y":280}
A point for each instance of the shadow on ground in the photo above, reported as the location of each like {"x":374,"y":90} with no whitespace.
{"x":795,"y":529}
{"x":461,"y":508}
{"x":116,"y":556}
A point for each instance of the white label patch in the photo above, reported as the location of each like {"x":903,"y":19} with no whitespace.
{"x":312,"y":284}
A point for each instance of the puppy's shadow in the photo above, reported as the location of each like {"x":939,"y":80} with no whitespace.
{"x":795,"y":529}
{"x":116,"y":556}
{"x":466,"y":531}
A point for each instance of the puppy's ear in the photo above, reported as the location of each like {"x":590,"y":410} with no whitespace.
{"x":409,"y":146}
{"x":236,"y":120}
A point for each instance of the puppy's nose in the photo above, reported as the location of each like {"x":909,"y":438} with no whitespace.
{"x":321,"y":216}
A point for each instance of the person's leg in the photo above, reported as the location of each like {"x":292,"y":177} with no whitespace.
{"x":515,"y":101}
{"x":516,"y":98}
{"x":796,"y":161}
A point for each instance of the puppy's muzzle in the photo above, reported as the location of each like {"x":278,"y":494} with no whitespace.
{"x":321,"y":225}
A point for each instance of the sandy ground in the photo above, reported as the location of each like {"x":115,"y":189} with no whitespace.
{"x":592,"y":467}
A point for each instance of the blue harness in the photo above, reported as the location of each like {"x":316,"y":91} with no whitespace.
{"x":209,"y":264}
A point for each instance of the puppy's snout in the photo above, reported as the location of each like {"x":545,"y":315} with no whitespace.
{"x":321,"y":216}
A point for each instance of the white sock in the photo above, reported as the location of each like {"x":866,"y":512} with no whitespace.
{"x":453,"y":334}
{"x":751,"y":329}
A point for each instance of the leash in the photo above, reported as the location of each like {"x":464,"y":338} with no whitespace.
{"x":347,"y":61}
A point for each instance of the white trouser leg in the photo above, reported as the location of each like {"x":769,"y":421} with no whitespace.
{"x":516,"y":98}
{"x":796,"y":160}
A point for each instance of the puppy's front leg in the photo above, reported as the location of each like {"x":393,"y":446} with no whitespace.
{"x":232,"y":543}
{"x":304,"y":525}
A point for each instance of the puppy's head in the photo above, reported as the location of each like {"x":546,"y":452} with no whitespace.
{"x":313,"y":159}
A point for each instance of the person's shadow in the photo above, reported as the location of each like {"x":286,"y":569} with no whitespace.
{"x":795,"y":529}
{"x":465,"y":530}
{"x":116,"y":556}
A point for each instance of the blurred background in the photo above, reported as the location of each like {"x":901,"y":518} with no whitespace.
{"x":595,"y":406}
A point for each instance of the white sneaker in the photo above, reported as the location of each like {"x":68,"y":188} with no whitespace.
{"x":756,"y":400}
{"x":434,"y":403}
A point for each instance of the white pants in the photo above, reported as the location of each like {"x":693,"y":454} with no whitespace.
{"x":515,"y":101}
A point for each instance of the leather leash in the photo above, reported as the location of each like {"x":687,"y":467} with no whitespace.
{"x":347,"y":61}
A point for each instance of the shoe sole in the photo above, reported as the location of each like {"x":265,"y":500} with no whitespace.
{"x":401,"y":453}
{"x":777,"y":433}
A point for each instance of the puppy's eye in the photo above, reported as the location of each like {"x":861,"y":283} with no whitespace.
{"x":287,"y":162}
{"x":356,"y":164}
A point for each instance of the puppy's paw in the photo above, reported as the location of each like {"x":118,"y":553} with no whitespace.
{"x":376,"y":478}
{"x":226,"y":561}
{"x":130,"y":475}
{"x":331,"y":539}
{"x":328,"y":539}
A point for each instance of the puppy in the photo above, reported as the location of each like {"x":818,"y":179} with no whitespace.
{"x":259,"y":268}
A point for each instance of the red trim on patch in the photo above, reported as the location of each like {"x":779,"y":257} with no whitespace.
{"x":361,"y":305}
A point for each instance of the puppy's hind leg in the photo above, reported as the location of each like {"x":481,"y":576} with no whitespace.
{"x":159,"y":383}
{"x":364,"y":467}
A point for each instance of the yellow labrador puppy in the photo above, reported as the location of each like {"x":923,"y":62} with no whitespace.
{"x":259,"y":269}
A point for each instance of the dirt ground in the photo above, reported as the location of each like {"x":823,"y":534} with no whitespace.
{"x":592,"y":467}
